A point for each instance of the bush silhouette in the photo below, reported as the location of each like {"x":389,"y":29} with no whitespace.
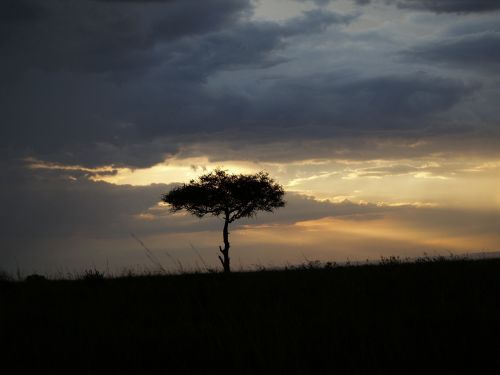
{"x":93,"y":276}
{"x":35,"y":278}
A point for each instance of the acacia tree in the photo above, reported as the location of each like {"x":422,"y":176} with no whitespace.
{"x":231,"y":197}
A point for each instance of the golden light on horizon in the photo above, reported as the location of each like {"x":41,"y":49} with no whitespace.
{"x":333,"y":238}
{"x":455,"y":182}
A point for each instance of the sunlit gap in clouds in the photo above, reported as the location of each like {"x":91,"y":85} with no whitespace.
{"x":173,"y":170}
{"x":170,"y":171}
{"x":446,"y":182}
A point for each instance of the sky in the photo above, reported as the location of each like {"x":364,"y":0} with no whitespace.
{"x":380,"y":119}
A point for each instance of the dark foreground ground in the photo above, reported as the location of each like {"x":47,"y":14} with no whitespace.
{"x":392,"y":318}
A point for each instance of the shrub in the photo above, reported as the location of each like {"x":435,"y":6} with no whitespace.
{"x":35,"y":278}
{"x":93,"y":276}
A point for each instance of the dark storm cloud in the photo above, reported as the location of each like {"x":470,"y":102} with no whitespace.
{"x":97,"y":83}
{"x":82,"y":35}
{"x":119,"y":83}
{"x":450,"y":6}
{"x":140,"y":126}
{"x":339,"y":104}
{"x":479,"y":51}
{"x":135,"y":1}
{"x":12,"y":11}
{"x":438,"y":6}
{"x":356,"y":117}
{"x":246,"y":45}
{"x":318,"y":2}
{"x":188,"y":39}
{"x":458,"y":142}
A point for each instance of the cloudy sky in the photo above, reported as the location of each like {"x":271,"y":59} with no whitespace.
{"x":380,"y":118}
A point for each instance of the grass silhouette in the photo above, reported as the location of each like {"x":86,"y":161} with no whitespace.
{"x":391,"y":317}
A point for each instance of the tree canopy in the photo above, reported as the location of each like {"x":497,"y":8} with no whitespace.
{"x":234,"y":196}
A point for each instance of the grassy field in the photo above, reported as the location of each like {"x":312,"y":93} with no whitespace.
{"x":388,"y":318}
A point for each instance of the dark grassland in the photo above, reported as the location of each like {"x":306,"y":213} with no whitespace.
{"x":389,"y":318}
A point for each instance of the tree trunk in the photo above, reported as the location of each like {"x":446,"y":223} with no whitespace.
{"x":225,"y":251}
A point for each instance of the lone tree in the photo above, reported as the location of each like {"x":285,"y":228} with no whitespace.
{"x":229,"y":196}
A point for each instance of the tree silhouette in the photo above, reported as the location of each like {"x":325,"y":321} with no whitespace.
{"x":230,"y":196}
